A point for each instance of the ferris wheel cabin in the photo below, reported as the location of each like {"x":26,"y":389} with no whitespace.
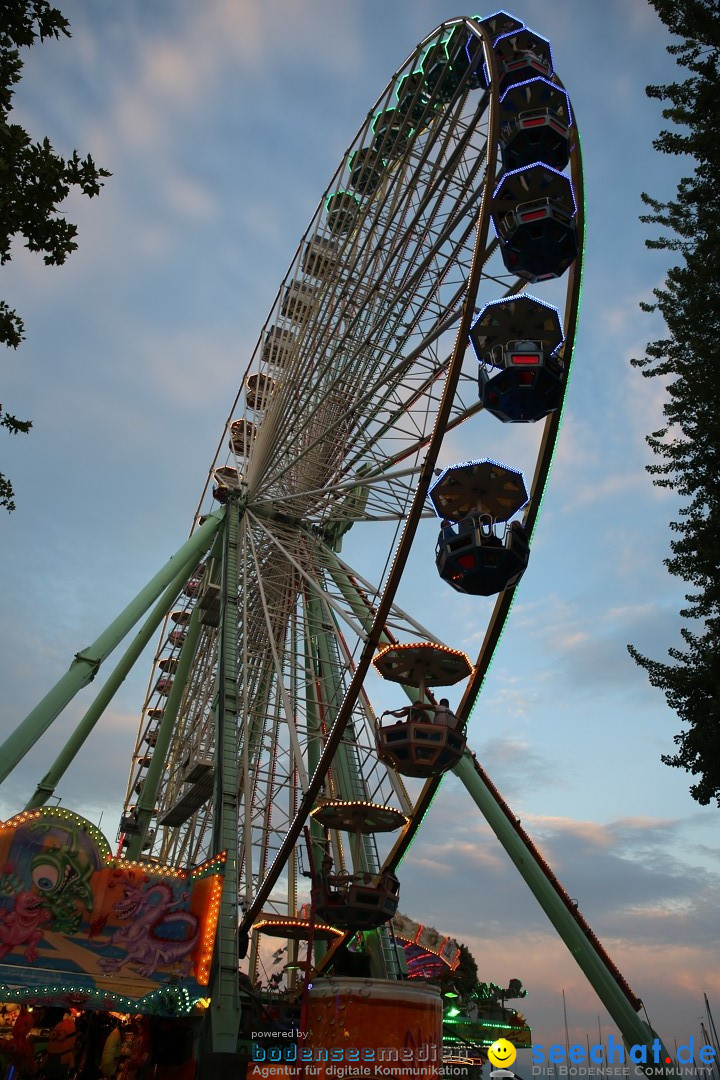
{"x":465,"y":53}
{"x":417,"y":745}
{"x":366,"y":170}
{"x":357,"y":901}
{"x":422,"y":739}
{"x":258,"y":391}
{"x":516,"y":342}
{"x":476,"y":561}
{"x":227,"y":482}
{"x":441,"y":79}
{"x":522,"y":55}
{"x":343,"y":210}
{"x":299,"y":302}
{"x":360,"y":899}
{"x":534,"y":125}
{"x":242,"y":433}
{"x":414,"y":100}
{"x":393,"y":132}
{"x":534,"y":214}
{"x":477,"y":551}
{"x":321,"y":257}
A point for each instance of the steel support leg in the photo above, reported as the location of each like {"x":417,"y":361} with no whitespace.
{"x":52,"y":777}
{"x":632,"y":1027}
{"x":153,"y":778}
{"x":313,"y":629}
{"x":86,"y":663}
{"x":225,"y":1007}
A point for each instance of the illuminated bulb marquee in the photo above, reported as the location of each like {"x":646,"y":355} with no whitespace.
{"x":208,"y":939}
{"x":354,"y":803}
{"x":173,"y":1001}
{"x":459,"y":1030}
{"x":295,"y":929}
{"x":214,"y":865}
{"x":127,"y":935}
{"x":431,"y":645}
{"x":358,"y":815}
{"x":426,"y":949}
{"x":62,"y":817}
{"x":426,"y":661}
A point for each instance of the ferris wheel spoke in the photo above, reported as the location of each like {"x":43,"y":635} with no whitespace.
{"x":363,"y":438}
{"x":383,"y":497}
{"x":380,"y":371}
{"x":424,"y":387}
{"x":403,"y":364}
{"x":309,"y":580}
{"x":279,"y":668}
{"x":433,"y":173}
{"x":359,"y":591}
{"x":412,"y":292}
{"x":401,"y":367}
{"x":372,"y":480}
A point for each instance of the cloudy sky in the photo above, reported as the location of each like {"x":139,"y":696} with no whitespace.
{"x":222,"y":123}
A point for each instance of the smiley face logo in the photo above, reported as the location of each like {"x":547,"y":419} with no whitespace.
{"x":502,"y":1054}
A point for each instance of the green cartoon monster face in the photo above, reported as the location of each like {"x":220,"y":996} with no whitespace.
{"x":62,"y":877}
{"x":46,"y":876}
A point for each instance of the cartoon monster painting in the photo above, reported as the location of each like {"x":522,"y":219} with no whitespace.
{"x":145,"y":915}
{"x":84,"y":927}
{"x":61,"y":873}
{"x":23,"y":925}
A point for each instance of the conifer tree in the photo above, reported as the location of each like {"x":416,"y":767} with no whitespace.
{"x":687,"y":447}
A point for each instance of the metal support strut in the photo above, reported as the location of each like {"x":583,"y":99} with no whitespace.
{"x":225,"y":1008}
{"x":597,"y":967}
{"x":86,"y":663}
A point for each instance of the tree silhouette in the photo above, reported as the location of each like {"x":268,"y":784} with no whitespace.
{"x":34,"y":180}
{"x":688,"y":446}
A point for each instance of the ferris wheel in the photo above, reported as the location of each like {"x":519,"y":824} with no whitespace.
{"x":449,"y":204}
{"x":431,"y":300}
